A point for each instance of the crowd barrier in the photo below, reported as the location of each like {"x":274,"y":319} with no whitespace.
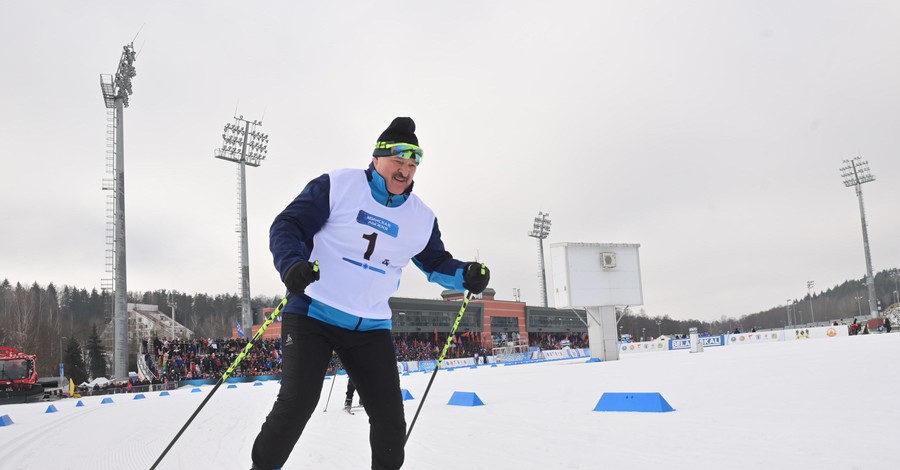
{"x":737,"y":339}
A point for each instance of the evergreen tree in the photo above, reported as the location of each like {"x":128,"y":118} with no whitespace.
{"x":74,"y":362}
{"x":97,"y":354}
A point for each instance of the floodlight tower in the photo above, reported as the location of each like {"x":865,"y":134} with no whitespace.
{"x":244,"y":145}
{"x":173,"y":305}
{"x":812,"y":314}
{"x":790,"y":321}
{"x":116,"y":90}
{"x":856,"y":173}
{"x":541,"y":230}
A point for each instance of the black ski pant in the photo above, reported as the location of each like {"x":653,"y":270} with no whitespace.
{"x":368,"y":357}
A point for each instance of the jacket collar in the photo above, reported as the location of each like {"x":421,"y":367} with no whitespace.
{"x":378,"y":187}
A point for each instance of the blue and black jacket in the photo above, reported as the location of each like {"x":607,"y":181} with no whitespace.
{"x":291,"y":241}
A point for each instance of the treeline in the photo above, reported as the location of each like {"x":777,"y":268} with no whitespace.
{"x":51,"y":322}
{"x":837,"y":303}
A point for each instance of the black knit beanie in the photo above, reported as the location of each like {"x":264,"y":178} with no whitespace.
{"x":402,"y":129}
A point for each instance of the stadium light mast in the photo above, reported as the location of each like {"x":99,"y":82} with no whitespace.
{"x":812,"y":314}
{"x":856,"y":173}
{"x":116,"y":90}
{"x":894,"y":276}
{"x":244,"y":145}
{"x":541,"y":230}
{"x":173,"y":305}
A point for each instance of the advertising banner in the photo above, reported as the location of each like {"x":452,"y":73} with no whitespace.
{"x":643,"y":346}
{"x":755,"y":337}
{"x":814,"y":333}
{"x":707,"y":341}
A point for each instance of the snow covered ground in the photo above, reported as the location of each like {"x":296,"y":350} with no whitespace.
{"x":822,"y":403}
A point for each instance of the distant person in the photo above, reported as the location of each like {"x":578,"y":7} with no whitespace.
{"x":854,"y":328}
{"x":348,"y":403}
{"x":887,"y":324}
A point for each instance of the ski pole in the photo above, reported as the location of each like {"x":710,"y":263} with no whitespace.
{"x":462,"y":310}
{"x":227,"y":373}
{"x":333,"y":380}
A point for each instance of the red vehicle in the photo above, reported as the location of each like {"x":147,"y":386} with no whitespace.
{"x":18,"y":377}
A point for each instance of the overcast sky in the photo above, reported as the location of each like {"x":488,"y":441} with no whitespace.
{"x":709,"y":132}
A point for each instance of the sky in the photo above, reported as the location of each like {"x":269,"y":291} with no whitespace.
{"x":709,"y":132}
{"x":779,"y":405}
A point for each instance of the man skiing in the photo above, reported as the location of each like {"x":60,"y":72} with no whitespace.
{"x":340,"y":247}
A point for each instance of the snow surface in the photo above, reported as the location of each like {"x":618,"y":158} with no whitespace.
{"x":820,"y":403}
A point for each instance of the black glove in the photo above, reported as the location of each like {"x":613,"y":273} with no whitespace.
{"x":301,"y":275}
{"x":476,"y":277}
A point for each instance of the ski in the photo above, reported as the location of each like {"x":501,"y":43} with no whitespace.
{"x":350,"y":409}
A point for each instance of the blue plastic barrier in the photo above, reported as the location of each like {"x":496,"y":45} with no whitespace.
{"x":641,"y":402}
{"x":51,"y":409}
{"x":106,"y":400}
{"x":465,"y":399}
{"x":5,"y":420}
{"x":406,"y":394}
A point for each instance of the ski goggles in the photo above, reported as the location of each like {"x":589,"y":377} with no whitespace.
{"x":402,"y":150}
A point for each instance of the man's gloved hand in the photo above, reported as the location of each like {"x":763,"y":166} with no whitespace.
{"x":476,"y":277}
{"x":301,"y":275}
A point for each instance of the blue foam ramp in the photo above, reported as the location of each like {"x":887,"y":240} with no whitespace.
{"x":79,"y":404}
{"x":5,"y":420}
{"x":406,"y":373}
{"x":257,"y":384}
{"x":493,"y":365}
{"x":593,"y":359}
{"x":51,"y":409}
{"x":465,"y":399}
{"x":651,"y":402}
{"x":232,"y":386}
{"x":164,"y":393}
{"x":341,"y":372}
{"x":406,"y":395}
{"x":195,"y":390}
{"x":139,"y":396}
{"x":106,"y":400}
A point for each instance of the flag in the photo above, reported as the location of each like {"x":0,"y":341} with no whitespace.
{"x":240,"y":331}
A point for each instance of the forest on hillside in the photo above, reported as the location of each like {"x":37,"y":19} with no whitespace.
{"x":36,"y":318}
{"x":42,"y":319}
